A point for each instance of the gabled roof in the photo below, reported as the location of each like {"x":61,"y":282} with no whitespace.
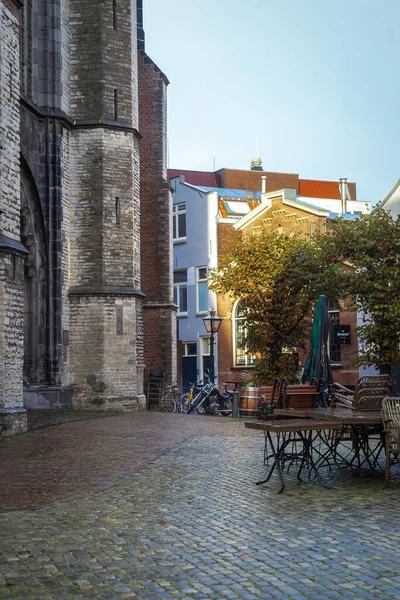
{"x":226,"y":192}
{"x":392,"y":197}
{"x":289,"y":198}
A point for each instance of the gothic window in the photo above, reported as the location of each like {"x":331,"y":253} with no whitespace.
{"x":35,"y":282}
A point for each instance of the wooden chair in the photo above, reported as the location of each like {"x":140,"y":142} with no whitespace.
{"x":367,"y":396}
{"x":391,"y":428}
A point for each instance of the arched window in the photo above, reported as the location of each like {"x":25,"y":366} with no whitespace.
{"x":240,"y":348}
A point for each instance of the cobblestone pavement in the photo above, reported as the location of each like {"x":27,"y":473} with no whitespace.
{"x":184,"y":518}
{"x":41,"y":419}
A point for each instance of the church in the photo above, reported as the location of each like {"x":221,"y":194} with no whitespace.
{"x":86,"y":299}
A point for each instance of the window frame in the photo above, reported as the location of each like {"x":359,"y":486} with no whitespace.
{"x":250,"y":359}
{"x":176,"y":213}
{"x":199,"y":281}
{"x":177,"y":288}
{"x":335,"y":313}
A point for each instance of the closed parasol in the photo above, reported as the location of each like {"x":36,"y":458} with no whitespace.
{"x":317,"y":364}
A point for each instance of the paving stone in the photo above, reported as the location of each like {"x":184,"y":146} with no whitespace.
{"x":152,"y":505}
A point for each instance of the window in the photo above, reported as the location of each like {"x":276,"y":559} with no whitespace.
{"x":241,"y":356}
{"x":179,"y":221}
{"x":205,"y":346}
{"x":180,"y":290}
{"x":190,"y":349}
{"x":334,"y":348}
{"x":202,"y":290}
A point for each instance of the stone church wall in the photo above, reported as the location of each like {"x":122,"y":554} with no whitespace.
{"x":72,"y":324}
{"x":12,"y":415}
{"x":9,"y":120}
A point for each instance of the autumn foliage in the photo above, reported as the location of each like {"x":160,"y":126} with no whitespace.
{"x":279,"y":278}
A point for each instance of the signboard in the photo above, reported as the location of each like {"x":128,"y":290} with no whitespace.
{"x":342,"y":334}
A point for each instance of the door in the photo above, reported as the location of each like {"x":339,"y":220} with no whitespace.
{"x":189,"y":366}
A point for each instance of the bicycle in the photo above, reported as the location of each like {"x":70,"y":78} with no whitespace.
{"x":187,"y":398}
{"x":210,"y":400}
{"x":170,"y":397}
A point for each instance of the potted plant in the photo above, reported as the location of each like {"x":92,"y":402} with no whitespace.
{"x":249,"y":397}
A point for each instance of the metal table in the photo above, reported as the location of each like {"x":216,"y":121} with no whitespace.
{"x":288,"y":433}
{"x":362,"y":425}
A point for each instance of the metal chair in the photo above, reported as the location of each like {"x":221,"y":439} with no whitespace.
{"x":391,"y":428}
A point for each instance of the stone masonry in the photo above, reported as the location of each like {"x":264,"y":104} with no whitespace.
{"x":72,"y":326}
{"x":12,"y":413}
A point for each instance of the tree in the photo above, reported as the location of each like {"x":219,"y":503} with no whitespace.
{"x":279,"y":278}
{"x":371,"y":245}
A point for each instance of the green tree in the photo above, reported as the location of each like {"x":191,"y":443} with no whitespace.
{"x":279,"y":278}
{"x":370,"y":245}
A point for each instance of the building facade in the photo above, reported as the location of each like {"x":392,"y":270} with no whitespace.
{"x":208,"y":221}
{"x":75,"y":173}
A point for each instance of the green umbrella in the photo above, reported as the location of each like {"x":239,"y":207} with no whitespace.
{"x":317,"y":364}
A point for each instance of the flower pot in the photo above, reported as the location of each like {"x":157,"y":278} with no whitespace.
{"x":249,"y":399}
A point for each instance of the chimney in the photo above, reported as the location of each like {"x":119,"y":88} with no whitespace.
{"x":343,"y":193}
{"x":264,"y":184}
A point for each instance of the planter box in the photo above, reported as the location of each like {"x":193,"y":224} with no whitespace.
{"x":300,"y":396}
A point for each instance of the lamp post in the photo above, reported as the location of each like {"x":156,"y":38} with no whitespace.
{"x":212,"y":323}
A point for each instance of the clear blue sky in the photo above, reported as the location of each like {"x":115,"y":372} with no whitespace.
{"x":316,"y":81}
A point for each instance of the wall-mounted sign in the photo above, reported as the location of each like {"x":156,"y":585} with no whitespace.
{"x":342,"y":334}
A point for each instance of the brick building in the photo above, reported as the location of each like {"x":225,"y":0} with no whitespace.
{"x":87,"y":208}
{"x":210,"y":215}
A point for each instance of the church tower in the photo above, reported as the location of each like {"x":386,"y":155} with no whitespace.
{"x":106,"y":314}
{"x":86,"y":297}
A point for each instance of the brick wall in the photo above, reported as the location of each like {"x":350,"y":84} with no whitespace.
{"x":251,"y":180}
{"x":156,"y":221}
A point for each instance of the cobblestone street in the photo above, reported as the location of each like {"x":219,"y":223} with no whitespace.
{"x":154,"y":505}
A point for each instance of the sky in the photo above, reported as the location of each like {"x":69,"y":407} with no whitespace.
{"x":316,"y":82}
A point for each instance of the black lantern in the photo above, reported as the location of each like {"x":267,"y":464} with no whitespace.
{"x":212,"y":323}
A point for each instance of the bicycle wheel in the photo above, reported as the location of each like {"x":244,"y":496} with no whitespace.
{"x":200,"y":404}
{"x":168,"y":401}
{"x":185,"y":403}
{"x":227,"y":407}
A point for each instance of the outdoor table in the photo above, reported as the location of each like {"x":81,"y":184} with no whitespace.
{"x":293,"y":413}
{"x":307,"y":432}
{"x":361,"y":423}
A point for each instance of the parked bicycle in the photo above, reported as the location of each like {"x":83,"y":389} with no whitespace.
{"x":170,"y":397}
{"x":187,"y":398}
{"x":209,"y":400}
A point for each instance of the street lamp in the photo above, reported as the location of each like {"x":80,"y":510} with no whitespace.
{"x":212,"y":323}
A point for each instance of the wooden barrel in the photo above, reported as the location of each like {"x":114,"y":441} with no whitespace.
{"x":249,"y":398}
